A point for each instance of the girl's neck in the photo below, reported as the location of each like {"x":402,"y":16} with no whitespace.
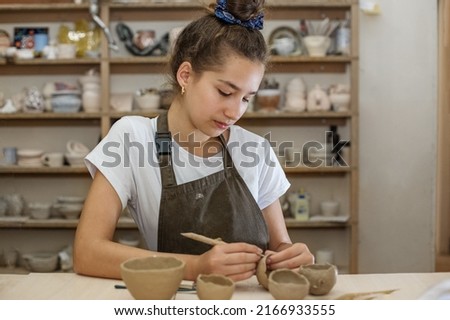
{"x":189,"y":137}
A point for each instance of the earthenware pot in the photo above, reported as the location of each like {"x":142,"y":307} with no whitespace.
{"x":214,"y":287}
{"x":322,"y":277}
{"x":153,"y":278}
{"x":262,"y":274}
{"x":286,"y":284}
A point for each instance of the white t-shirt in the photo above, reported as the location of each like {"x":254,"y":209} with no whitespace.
{"x":127,"y":158}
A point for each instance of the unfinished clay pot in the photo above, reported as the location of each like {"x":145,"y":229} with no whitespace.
{"x":152,"y":278}
{"x":262,"y":274}
{"x":286,"y":284}
{"x":322,"y":277}
{"x":214,"y":287}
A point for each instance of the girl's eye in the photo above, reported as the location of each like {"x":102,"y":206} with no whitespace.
{"x":225,"y":94}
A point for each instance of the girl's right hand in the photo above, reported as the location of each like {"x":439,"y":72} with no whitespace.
{"x":238,"y":260}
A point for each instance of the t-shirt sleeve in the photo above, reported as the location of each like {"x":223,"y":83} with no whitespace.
{"x":111,"y":156}
{"x":273,"y":182}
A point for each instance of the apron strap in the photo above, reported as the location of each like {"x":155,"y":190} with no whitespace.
{"x":227,"y":161}
{"x":163,"y":140}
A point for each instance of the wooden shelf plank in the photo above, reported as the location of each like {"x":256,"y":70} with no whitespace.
{"x":42,"y":61}
{"x":295,"y":115}
{"x":128,"y":223}
{"x":50,"y":116}
{"x":317,"y":170}
{"x":43,"y":170}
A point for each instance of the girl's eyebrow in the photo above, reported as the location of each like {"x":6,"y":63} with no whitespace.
{"x":235,"y":87}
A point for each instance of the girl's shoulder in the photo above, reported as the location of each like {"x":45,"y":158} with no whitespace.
{"x":243,"y":135}
{"x":135,"y":124}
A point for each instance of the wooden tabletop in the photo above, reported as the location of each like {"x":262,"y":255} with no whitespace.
{"x":69,"y":286}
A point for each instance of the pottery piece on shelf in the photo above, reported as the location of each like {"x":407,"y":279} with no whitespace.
{"x":153,"y":278}
{"x":41,"y":262}
{"x":38,"y":210}
{"x":317,"y":45}
{"x":76,"y":148}
{"x":287,"y":284}
{"x":214,"y":287}
{"x":321,"y":277}
{"x":318,"y":100}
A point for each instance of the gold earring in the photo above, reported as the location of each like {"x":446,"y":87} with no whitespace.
{"x":183,"y":91}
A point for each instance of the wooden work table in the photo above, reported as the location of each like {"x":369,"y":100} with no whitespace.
{"x":69,"y":286}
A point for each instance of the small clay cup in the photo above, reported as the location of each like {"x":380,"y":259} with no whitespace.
{"x":214,"y":287}
{"x":262,"y":274}
{"x":286,"y":284}
{"x":152,"y":278}
{"x":322,"y":277}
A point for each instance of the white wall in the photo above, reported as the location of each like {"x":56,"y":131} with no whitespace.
{"x":398,"y":108}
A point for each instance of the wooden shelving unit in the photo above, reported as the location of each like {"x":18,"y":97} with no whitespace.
{"x":109,"y":65}
{"x":442,"y":262}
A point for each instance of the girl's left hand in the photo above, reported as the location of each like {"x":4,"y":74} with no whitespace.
{"x":291,"y":257}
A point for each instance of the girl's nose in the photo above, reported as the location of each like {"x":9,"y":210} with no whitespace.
{"x":235,"y":110}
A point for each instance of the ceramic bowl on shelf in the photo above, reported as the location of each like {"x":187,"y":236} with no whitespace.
{"x":69,"y":211}
{"x":38,"y":210}
{"x":76,"y":147}
{"x":150,"y":101}
{"x":41,"y":262}
{"x":65,"y":102}
{"x":329,"y":208}
{"x":29,"y":157}
{"x":317,"y":45}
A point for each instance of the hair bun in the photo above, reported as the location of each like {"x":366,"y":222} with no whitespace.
{"x":248,"y":14}
{"x":244,"y":9}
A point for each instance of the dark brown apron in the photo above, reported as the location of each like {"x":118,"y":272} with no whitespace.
{"x":217,"y":206}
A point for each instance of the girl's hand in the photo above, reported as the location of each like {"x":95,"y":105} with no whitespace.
{"x":235,"y":260}
{"x":292,"y":256}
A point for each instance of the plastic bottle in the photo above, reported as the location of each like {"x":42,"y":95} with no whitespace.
{"x":302,"y":206}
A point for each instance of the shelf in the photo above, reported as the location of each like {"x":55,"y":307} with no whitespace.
{"x":317,"y":170}
{"x":50,"y":116}
{"x":128,"y":223}
{"x":28,"y":223}
{"x":295,"y":115}
{"x":42,"y":61}
{"x":17,"y":170}
{"x":294,"y":224}
{"x":33,"y":13}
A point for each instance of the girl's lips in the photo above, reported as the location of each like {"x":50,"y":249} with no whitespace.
{"x":221,"y":125}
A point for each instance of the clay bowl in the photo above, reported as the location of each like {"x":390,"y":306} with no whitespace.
{"x":153,"y":278}
{"x":214,"y":287}
{"x":286,"y":284}
{"x":262,"y":274}
{"x":322,"y":277}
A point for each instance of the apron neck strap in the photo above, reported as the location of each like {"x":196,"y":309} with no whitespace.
{"x":163,"y":141}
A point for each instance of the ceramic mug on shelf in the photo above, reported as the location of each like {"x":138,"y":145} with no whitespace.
{"x":53,"y":159}
{"x":10,"y":155}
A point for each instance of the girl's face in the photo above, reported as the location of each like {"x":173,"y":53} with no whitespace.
{"x":214,"y":100}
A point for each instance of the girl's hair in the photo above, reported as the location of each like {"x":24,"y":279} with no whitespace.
{"x":208,"y":41}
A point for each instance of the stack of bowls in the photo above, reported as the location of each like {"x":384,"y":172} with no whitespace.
{"x":68,"y":207}
{"x":29,"y":157}
{"x":38,"y":210}
{"x":76,"y":151}
{"x":66,"y":101}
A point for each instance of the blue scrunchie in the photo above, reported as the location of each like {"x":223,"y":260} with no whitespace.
{"x":221,"y":12}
